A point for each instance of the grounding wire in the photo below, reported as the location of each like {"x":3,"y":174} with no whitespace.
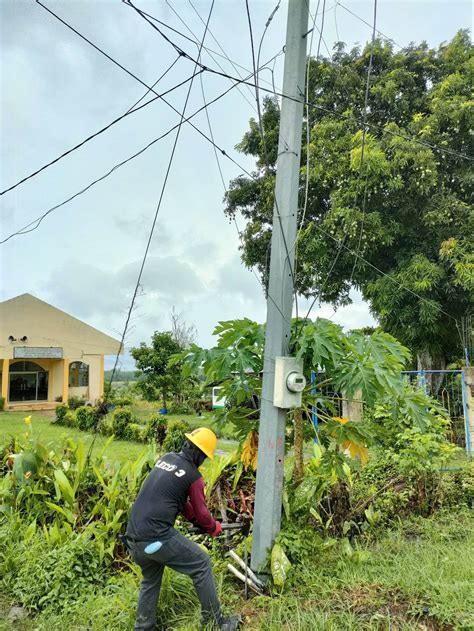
{"x":153,"y":225}
{"x":130,"y":111}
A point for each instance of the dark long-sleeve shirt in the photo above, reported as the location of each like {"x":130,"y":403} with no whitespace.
{"x":174,"y":485}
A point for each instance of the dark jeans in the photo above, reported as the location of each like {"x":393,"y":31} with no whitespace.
{"x":184,"y":556}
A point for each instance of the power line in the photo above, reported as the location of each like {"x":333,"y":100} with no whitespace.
{"x":155,"y":218}
{"x":220,"y":48}
{"x":361,"y":166}
{"x":28,"y":228}
{"x":130,"y":111}
{"x":445,"y":150}
{"x":390,"y":39}
{"x":264,"y":146}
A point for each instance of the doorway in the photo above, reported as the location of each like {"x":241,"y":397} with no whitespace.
{"x":28,"y":382}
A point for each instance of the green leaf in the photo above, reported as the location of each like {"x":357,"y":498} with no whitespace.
{"x":62,"y":511}
{"x":64,"y":486}
{"x":280,"y":565}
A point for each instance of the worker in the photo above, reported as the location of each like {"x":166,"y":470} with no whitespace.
{"x":174,"y":486}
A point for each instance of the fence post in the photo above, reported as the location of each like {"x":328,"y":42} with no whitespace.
{"x":352,"y":409}
{"x":468,"y":402}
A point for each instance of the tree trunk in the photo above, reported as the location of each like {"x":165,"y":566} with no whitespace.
{"x":426,"y":361}
{"x":298,"y":471}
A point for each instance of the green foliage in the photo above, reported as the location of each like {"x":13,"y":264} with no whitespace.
{"x":85,"y":417}
{"x":158,"y":380}
{"x":136,"y":432}
{"x":121,"y":418}
{"x":75,"y":402}
{"x":175,"y":435}
{"x":122,"y":401}
{"x":61,"y":411}
{"x":181,"y":408}
{"x":156,"y":428}
{"x":2,"y":403}
{"x":52,"y":576}
{"x":407,"y":209}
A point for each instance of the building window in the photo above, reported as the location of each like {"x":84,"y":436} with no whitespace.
{"x":78,"y":375}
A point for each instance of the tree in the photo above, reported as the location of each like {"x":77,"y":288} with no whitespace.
{"x":158,"y":380}
{"x":406,"y":208}
{"x":184,"y":334}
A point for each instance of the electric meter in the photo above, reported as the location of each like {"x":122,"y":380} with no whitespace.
{"x":289,"y":382}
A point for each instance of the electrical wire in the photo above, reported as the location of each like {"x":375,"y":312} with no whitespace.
{"x":264,"y":146}
{"x":390,"y":39}
{"x":443,"y":150}
{"x":234,"y":65}
{"x":361,"y":166}
{"x":28,"y":228}
{"x":130,"y":111}
{"x":155,"y":218}
{"x":364,"y":135}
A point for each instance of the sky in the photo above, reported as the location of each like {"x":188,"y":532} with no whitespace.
{"x":56,"y":90}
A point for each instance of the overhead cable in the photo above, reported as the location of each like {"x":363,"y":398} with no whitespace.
{"x":445,"y":150}
{"x":155,"y":217}
{"x":33,"y":225}
{"x":132,"y":110}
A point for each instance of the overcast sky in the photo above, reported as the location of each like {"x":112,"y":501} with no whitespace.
{"x":56,"y":90}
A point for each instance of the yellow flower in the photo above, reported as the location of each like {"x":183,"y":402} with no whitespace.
{"x":341,"y":419}
{"x":27,"y":420}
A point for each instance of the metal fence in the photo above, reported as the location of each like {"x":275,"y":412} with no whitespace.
{"x":448,"y":387}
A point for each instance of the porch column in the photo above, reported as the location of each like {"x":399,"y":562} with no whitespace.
{"x":5,"y":379}
{"x":65,"y":380}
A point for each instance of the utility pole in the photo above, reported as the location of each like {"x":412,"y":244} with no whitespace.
{"x":271,"y":444}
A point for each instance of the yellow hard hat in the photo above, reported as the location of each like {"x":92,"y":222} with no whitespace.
{"x":205,"y":439}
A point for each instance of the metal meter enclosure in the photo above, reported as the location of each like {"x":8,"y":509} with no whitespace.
{"x":289,"y":382}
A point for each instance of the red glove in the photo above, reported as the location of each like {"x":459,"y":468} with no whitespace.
{"x":217,"y":530}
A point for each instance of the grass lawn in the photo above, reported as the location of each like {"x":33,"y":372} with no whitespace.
{"x":12,"y":424}
{"x":416,"y":577}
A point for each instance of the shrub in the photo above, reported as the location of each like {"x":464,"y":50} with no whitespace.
{"x":106,"y":427}
{"x":175,"y":435}
{"x":52,"y":576}
{"x":70,"y":419}
{"x":2,"y":403}
{"x":85,"y":417}
{"x":61,"y":410}
{"x":135,"y":432}
{"x":156,"y":428}
{"x":123,"y":401}
{"x":181,"y":408}
{"x":121,"y":418}
{"x":75,"y":402}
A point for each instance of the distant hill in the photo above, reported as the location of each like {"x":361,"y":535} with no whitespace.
{"x":121,"y":375}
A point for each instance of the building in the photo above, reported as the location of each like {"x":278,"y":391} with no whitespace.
{"x":47,"y":355}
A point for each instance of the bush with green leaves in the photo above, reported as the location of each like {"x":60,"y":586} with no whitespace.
{"x":181,"y":408}
{"x":175,"y":435}
{"x":135,"y":432}
{"x":51,"y":576}
{"x":2,"y":403}
{"x":85,"y":417}
{"x":122,"y":401}
{"x":156,"y":428}
{"x":106,"y":426}
{"x":75,"y":402}
{"x":61,"y":410}
{"x":121,"y":419}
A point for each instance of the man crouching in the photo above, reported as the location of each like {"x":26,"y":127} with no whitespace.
{"x":175,"y":485}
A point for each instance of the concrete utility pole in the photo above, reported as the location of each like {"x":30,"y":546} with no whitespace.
{"x":271,"y":444}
